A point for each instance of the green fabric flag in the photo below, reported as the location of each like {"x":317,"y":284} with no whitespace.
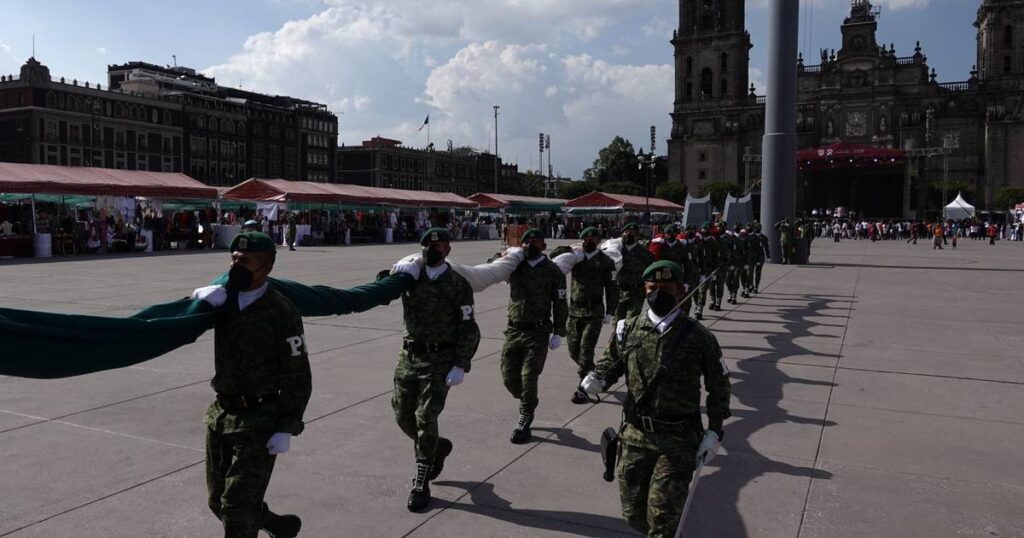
{"x":47,"y":346}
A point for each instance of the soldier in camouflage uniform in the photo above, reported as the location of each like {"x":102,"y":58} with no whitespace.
{"x":711,"y":261}
{"x":441,"y":337}
{"x":592,"y":303}
{"x":671,"y":248}
{"x":537,"y":293}
{"x":635,"y":259}
{"x":732,"y":255}
{"x":262,"y":382}
{"x":787,"y":239}
{"x":664,"y":355}
{"x":746,"y":263}
{"x":761,"y":253}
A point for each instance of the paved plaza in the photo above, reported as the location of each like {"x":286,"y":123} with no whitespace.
{"x":877,"y":393}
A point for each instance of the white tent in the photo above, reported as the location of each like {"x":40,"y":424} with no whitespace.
{"x":959,"y":209}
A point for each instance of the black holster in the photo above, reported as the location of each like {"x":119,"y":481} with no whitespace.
{"x":609,"y":452}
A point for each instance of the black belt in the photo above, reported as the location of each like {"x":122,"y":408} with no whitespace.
{"x":420,"y":348}
{"x":650,"y":424}
{"x":528,"y":325}
{"x":237,"y":403}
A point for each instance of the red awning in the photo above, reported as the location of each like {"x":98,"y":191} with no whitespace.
{"x":498,"y":201}
{"x":85,"y":181}
{"x":280,"y":190}
{"x":842,"y":155}
{"x":604,"y":200}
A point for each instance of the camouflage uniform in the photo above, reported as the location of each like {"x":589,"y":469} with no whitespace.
{"x":711,"y":258}
{"x":263,"y":384}
{"x":662,"y":427}
{"x":731,"y":256}
{"x":592,"y":296}
{"x":537,"y":293}
{"x":788,"y":241}
{"x":292,"y":231}
{"x":747,"y":264}
{"x":630,"y":281}
{"x":761,"y":253}
{"x":440,"y":333}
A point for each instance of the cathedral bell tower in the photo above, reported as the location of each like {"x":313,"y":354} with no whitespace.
{"x":1000,"y":24}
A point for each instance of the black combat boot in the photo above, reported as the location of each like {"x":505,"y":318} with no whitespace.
{"x":521,"y":435}
{"x":444,"y":448}
{"x":698,"y":315}
{"x":579,"y":397}
{"x":419,"y":497}
{"x":286,"y":526}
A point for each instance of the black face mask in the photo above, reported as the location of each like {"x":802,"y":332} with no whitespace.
{"x":589,"y":247}
{"x":661,"y":302}
{"x":629,"y":239}
{"x":533,"y":252}
{"x":239,"y":278}
{"x":432,"y":257}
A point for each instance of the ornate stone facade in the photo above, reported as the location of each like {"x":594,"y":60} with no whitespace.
{"x":862,"y":94}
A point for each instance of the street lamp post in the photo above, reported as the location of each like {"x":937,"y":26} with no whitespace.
{"x":496,"y":107}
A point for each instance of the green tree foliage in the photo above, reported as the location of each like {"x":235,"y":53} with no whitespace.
{"x":575,"y":189}
{"x":624,"y":187}
{"x":615,"y":163}
{"x":719,"y":190}
{"x":1008,"y":197}
{"x":953,"y":186}
{"x":673,"y":191}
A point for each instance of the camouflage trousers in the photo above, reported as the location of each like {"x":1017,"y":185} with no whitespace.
{"x":630,"y":304}
{"x":747,"y":276}
{"x":582,"y":339}
{"x":701,"y":297}
{"x":522,"y":361}
{"x":757,"y":275}
{"x":238,"y":469}
{"x":653,"y":485}
{"x":732,"y":278}
{"x":718,"y":286}
{"x":419,"y":398}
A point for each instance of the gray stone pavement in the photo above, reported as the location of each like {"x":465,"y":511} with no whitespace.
{"x":877,"y":392}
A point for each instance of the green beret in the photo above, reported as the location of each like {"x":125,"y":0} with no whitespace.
{"x":631,"y":226}
{"x":671,"y":229}
{"x":434,"y":235}
{"x":252,"y":242}
{"x":589,"y":231}
{"x":532,"y":233}
{"x":663,"y":271}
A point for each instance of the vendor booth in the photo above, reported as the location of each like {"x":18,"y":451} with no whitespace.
{"x":959,"y":209}
{"x":507,"y":208}
{"x":611,"y":211}
{"x":69,"y":210}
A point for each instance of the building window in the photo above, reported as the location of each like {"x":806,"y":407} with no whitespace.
{"x":722,"y":87}
{"x":689,"y":91}
{"x":706,"y":81}
{"x":689,"y":65}
{"x":702,"y":174}
{"x":725,"y":62}
{"x":702,"y":156}
{"x":1008,"y":37}
{"x":1007,"y":64}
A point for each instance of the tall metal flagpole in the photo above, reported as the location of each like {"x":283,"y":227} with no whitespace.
{"x":779,"y":143}
{"x":496,"y":107}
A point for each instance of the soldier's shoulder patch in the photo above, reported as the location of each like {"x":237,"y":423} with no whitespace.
{"x":620,"y":329}
{"x":467,"y":312}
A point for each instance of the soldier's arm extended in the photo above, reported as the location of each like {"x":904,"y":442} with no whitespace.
{"x":716,"y":382}
{"x":612,"y":364}
{"x":467,"y":337}
{"x":559,"y":304}
{"x":326,"y":301}
{"x":295,"y":384}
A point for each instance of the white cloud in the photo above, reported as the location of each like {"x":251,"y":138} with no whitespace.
{"x":101,"y":50}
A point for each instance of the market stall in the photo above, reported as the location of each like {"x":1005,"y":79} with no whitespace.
{"x":506,"y":207}
{"x":610,"y":211}
{"x":83,"y":209}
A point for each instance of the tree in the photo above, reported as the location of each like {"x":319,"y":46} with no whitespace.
{"x":575,"y":189}
{"x":673,"y":191}
{"x":718,"y":191}
{"x":624,"y":187}
{"x":953,"y":186}
{"x":616,"y":162}
{"x":1007,"y":197}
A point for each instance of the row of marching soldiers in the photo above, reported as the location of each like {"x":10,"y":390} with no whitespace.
{"x":727,"y":258}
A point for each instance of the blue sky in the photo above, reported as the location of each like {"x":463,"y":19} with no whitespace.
{"x":581,"y":70}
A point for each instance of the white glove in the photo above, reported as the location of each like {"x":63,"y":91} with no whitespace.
{"x":216,"y":296}
{"x":455,"y":376}
{"x":555,"y":342}
{"x":410,"y":268}
{"x":607,"y":319}
{"x":708,"y":447}
{"x":279,"y":443}
{"x":703,"y":279}
{"x":592,"y":384}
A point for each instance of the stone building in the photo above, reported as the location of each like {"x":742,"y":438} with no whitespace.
{"x":861,"y":97}
{"x":168,"y":119}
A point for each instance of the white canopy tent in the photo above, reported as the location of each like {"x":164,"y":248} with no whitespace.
{"x":959,"y":209}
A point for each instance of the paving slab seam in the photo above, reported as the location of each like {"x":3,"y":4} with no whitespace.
{"x":105,"y":497}
{"x":935,"y":415}
{"x":828,"y":405}
{"x":938,"y":376}
{"x":921,"y":476}
{"x":43,"y":419}
{"x":1006,"y":347}
{"x":374,"y":339}
{"x":101,"y":430}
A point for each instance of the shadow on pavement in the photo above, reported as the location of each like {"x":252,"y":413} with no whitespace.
{"x":758,"y":385}
{"x":485,"y":502}
{"x":566,"y":437}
